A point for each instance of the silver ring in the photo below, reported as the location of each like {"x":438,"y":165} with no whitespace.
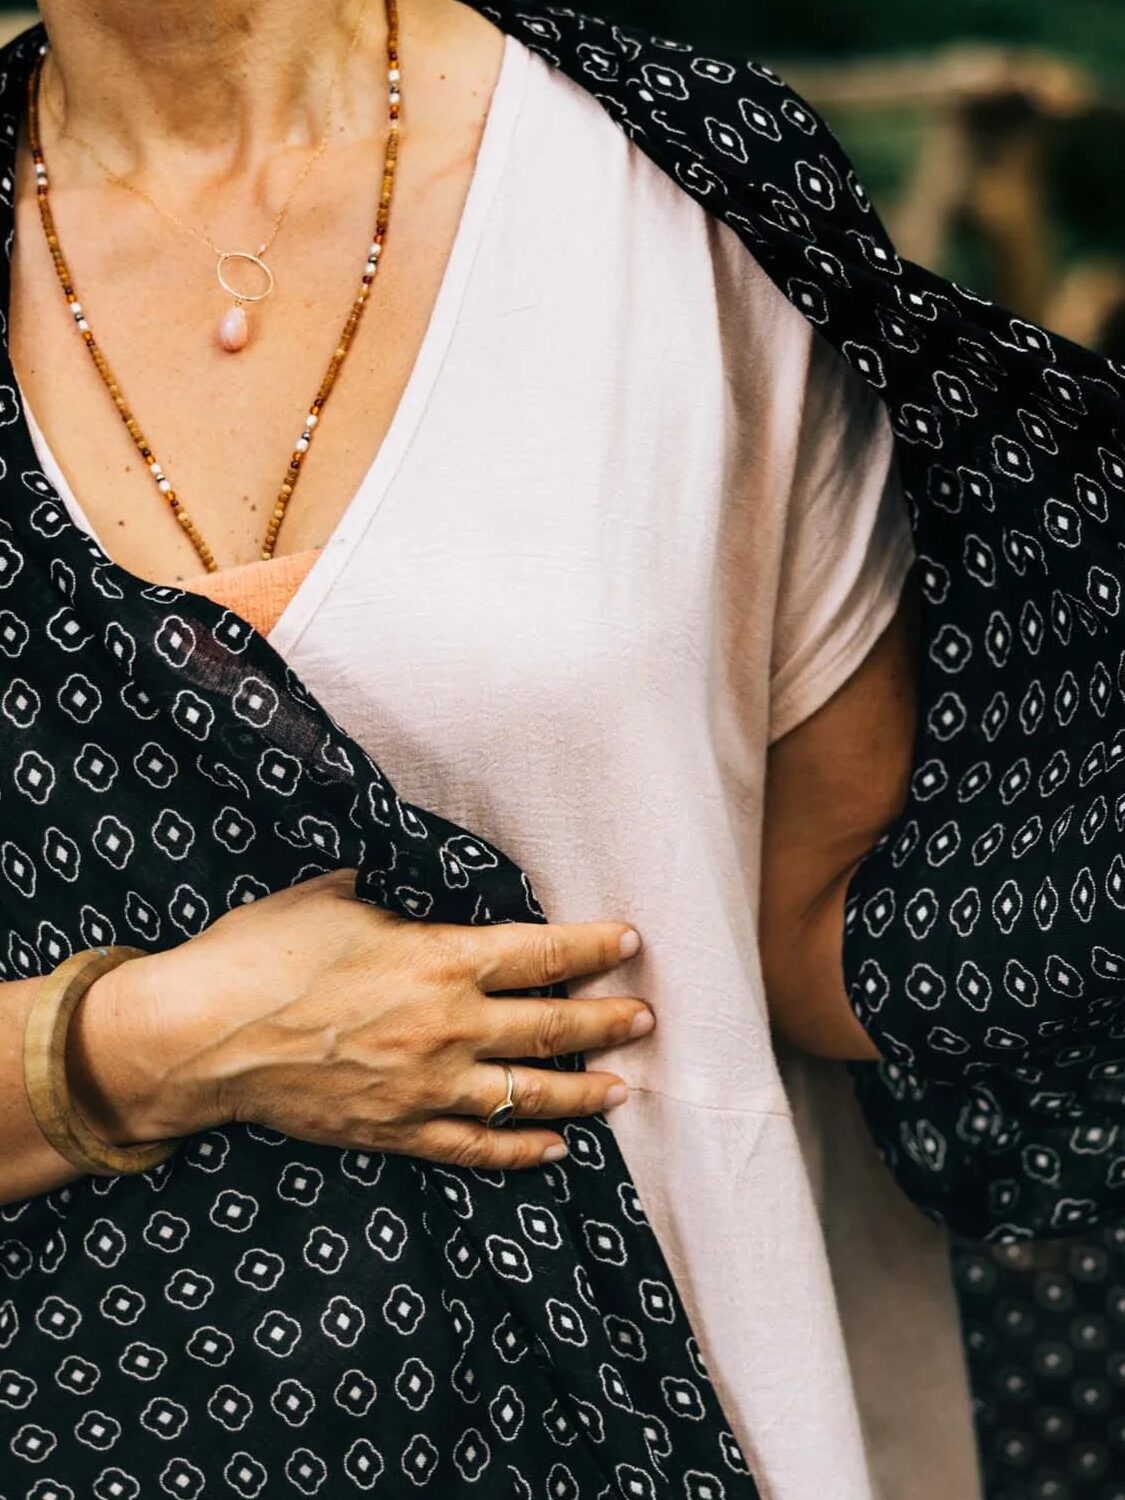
{"x":506,"y":1109}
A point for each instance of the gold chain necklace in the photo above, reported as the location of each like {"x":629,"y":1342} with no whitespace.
{"x":343,"y":343}
{"x":233,"y":328}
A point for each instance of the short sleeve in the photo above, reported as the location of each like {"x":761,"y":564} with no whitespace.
{"x":847,"y":546}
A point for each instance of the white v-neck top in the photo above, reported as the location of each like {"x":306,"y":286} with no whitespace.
{"x":634,"y":520}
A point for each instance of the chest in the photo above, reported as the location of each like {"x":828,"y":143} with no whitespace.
{"x":523,"y":612}
{"x":539,"y":539}
{"x":224,"y":426}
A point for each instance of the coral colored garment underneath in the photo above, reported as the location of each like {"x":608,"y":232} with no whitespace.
{"x":258,"y":591}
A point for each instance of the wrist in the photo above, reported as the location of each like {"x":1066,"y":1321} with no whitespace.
{"x":133,"y":1056}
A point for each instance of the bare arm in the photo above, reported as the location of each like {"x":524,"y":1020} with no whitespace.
{"x":833,"y":785}
{"x":333,"y":1021}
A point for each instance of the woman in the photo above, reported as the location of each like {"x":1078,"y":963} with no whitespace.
{"x":576,"y":686}
{"x":771,"y":624}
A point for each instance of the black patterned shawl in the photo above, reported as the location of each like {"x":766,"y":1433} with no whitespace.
{"x":983,"y":947}
{"x":519,"y":1334}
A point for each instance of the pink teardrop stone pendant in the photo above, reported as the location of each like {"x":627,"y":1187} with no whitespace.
{"x":234,"y":329}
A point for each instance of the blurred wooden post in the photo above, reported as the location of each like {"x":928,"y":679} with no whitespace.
{"x":1004,"y":197}
{"x":982,"y":159}
{"x":12,"y":22}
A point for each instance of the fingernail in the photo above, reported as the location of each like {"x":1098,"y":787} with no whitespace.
{"x":616,"y":1095}
{"x":554,"y":1153}
{"x":630,"y":942}
{"x":642,"y":1023}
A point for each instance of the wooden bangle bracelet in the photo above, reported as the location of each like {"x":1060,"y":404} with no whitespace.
{"x":44,"y":1070}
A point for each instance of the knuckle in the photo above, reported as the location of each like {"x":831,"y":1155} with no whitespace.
{"x":550,"y":1034}
{"x":364,"y":1130}
{"x":441,"y":1093}
{"x":448,"y":1023}
{"x":422,"y":1038}
{"x":548,"y":957}
{"x":446,"y":952}
{"x":408,"y":1142}
{"x":436,"y":1026}
{"x":374,"y":1138}
{"x":531,"y":1095}
{"x":461,"y":1153}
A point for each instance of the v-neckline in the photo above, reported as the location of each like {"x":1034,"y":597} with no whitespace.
{"x":498,"y":129}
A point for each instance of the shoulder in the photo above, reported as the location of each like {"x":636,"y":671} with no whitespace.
{"x":721,"y":131}
{"x":641,"y":230}
{"x":18,"y":53}
{"x":722,"y":123}
{"x":17,"y":58}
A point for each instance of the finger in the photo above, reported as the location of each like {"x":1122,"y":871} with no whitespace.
{"x":525,"y":955}
{"x":540,"y":1093}
{"x":465,"y":1143}
{"x":550,"y":1028}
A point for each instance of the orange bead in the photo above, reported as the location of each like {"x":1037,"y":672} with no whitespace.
{"x":101,"y":364}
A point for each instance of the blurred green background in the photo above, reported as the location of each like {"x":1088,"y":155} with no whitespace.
{"x":990,"y":133}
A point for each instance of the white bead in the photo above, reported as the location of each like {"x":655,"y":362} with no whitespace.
{"x":312,"y":419}
{"x":76,"y":309}
{"x":302,"y":445}
{"x":394,"y":75}
{"x":163,"y":486}
{"x":83,"y":326}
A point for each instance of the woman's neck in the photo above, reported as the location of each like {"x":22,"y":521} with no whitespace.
{"x":225,"y":82}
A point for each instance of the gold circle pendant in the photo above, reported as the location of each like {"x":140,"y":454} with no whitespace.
{"x":254,"y":260}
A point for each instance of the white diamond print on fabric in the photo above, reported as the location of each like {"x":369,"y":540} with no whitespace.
{"x":521,"y":1335}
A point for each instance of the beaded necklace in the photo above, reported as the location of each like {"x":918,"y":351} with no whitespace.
{"x":233,"y":328}
{"x":343,"y":343}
